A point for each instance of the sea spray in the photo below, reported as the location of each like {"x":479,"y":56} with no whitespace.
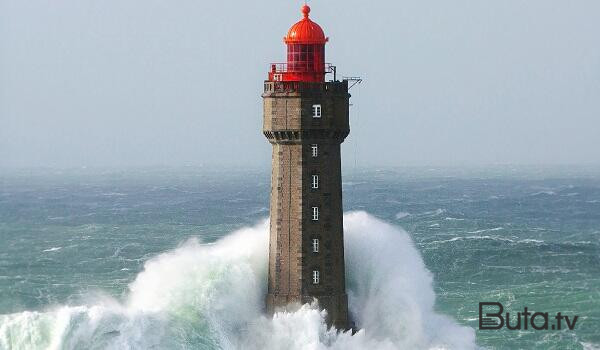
{"x":202,"y":296}
{"x":390,"y":290}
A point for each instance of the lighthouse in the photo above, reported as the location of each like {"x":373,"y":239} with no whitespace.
{"x":306,"y":119}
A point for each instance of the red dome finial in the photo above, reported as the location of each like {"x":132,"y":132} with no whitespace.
{"x":305,"y":31}
{"x":305,"y":10}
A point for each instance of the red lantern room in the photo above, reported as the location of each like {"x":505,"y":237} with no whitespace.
{"x":305,"y":53}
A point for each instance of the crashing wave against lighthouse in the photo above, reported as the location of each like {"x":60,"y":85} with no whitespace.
{"x":211,"y":296}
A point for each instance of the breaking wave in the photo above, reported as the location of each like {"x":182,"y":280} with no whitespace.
{"x":202,"y":296}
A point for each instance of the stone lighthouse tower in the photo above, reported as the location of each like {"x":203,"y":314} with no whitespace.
{"x":306,"y":120}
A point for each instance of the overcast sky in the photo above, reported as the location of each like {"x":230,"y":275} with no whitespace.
{"x":137,"y":83}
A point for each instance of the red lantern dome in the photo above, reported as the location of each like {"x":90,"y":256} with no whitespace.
{"x":305,"y":53}
{"x":305,"y":31}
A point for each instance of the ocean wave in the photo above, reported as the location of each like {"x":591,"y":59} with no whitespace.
{"x":527,"y":241}
{"x":402,"y":215}
{"x":114,"y":194}
{"x":212,"y":297}
{"x":549,"y":269}
{"x":487,"y":230}
{"x":486,"y":237}
{"x":543,"y":193}
{"x":53,"y":249}
{"x":590,"y":346}
{"x":436,"y":212}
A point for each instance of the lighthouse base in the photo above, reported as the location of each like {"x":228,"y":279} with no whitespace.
{"x":335,"y":305}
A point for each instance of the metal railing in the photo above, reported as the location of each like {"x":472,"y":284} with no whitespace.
{"x":299,"y":67}
{"x":300,"y":71}
{"x":296,"y":86}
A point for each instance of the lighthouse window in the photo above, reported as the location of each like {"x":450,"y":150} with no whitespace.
{"x":315,"y":150}
{"x":316,"y":111}
{"x":315,"y":213}
{"x":316,"y":277}
{"x":315,"y":181}
{"x":315,"y":245}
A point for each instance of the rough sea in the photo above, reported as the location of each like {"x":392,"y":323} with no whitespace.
{"x":176,"y":259}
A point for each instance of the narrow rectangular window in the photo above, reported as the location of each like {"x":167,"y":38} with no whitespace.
{"x":315,"y":181}
{"x":315,"y":245}
{"x":315,"y":150}
{"x":316,"y":111}
{"x":315,"y":213}
{"x":316,"y":277}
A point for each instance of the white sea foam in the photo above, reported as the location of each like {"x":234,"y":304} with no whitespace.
{"x":436,"y":212}
{"x":212,"y":297}
{"x":590,"y":346}
{"x":453,"y":219}
{"x":547,"y":193}
{"x":491,"y":238}
{"x":487,"y":230}
{"x":53,"y":249}
{"x":402,"y":215}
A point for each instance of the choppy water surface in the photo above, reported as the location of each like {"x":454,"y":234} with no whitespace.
{"x":120,"y":259}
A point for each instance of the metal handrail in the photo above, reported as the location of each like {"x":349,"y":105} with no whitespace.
{"x":300,"y":67}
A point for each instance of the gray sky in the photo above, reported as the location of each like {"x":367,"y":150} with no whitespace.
{"x":136,"y":83}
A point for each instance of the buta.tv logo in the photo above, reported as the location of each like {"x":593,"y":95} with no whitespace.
{"x":494,"y":318}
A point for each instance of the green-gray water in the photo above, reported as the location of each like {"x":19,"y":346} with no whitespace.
{"x":523,"y":237}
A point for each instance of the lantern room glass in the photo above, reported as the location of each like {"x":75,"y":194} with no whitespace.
{"x":306,"y":58}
